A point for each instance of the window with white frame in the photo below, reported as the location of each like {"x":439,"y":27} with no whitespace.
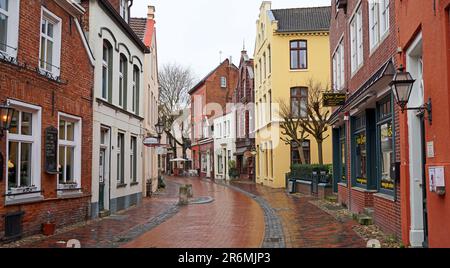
{"x":23,"y":149}
{"x":356,"y":40}
{"x":50,"y":50}
{"x":339,"y":67}
{"x":133,"y":159}
{"x":120,"y":158}
{"x":223,"y":82}
{"x":378,"y":21}
{"x":107,"y":70}
{"x":69,"y":150}
{"x":9,"y":27}
{"x":265,"y":65}
{"x":124,"y":9}
{"x":123,"y":73}
{"x":136,"y":89}
{"x":270,"y":59}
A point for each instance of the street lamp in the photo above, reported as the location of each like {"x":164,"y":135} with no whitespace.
{"x":402,"y":85}
{"x":160,"y":128}
{"x":6,"y":114}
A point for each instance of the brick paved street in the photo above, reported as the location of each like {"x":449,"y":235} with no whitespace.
{"x":242,"y":215}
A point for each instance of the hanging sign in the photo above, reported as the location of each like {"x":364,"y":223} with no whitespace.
{"x":334,"y":99}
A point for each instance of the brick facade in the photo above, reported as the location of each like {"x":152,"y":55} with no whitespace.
{"x":354,"y":198}
{"x":72,"y":96}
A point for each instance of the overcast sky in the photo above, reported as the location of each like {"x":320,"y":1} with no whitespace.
{"x":193,"y":32}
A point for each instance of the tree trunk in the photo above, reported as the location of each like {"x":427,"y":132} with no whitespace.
{"x":320,"y":151}
{"x":301,"y":153}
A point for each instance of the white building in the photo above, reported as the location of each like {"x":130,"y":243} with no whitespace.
{"x":118,"y":127}
{"x":224,"y":144}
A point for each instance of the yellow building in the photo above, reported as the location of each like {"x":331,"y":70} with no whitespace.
{"x":292,"y":47}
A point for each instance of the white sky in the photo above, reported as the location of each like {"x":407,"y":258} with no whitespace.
{"x":193,"y":32}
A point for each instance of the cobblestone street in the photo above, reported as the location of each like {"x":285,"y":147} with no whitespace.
{"x":241,"y":215}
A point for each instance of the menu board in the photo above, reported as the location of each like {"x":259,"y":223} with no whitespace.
{"x":51,"y":150}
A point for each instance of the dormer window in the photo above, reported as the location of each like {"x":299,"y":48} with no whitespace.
{"x":341,"y":4}
{"x":223,"y":82}
{"x":124,"y":9}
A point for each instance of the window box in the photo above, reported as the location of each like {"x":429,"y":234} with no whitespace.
{"x":68,"y":186}
{"x":23,"y":190}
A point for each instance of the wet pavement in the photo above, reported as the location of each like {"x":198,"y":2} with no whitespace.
{"x":236,"y":215}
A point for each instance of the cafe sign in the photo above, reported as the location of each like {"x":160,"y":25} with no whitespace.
{"x":334,"y":99}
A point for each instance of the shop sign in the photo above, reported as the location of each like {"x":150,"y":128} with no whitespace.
{"x":51,"y":150}
{"x":334,"y":99}
{"x":361,"y":181}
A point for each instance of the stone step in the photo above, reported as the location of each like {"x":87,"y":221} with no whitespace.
{"x":104,"y":213}
{"x":332,"y":198}
{"x":365,"y":220}
{"x":369,"y":212}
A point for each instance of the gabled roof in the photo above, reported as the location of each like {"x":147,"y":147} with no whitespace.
{"x":199,"y":84}
{"x":144,"y":29}
{"x":303,"y":19}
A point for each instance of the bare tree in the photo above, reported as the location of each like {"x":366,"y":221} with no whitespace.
{"x":315,"y":122}
{"x":175,"y":82}
{"x":291,"y":129}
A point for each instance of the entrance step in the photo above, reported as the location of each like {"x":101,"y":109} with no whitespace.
{"x":104,"y":213}
{"x":332,"y":198}
{"x":363,"y":219}
{"x":369,"y":212}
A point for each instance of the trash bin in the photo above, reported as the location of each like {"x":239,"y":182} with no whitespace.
{"x":291,"y":186}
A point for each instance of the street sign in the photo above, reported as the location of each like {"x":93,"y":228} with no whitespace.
{"x":150,"y":142}
{"x":161,"y":150}
{"x":334,"y":99}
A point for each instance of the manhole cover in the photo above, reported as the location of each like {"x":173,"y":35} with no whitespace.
{"x":202,"y":200}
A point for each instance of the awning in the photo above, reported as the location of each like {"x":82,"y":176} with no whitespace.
{"x":379,"y":80}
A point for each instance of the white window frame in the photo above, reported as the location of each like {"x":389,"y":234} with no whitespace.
{"x":123,"y":73}
{"x":133,"y":159}
{"x":35,"y":139}
{"x":223,"y":82}
{"x":339,"y":67}
{"x":12,"y":28}
{"x":124,"y":9}
{"x":356,"y":40}
{"x":136,"y":84}
{"x":120,"y":156}
{"x":378,"y":22}
{"x":55,"y":65}
{"x":76,"y":144}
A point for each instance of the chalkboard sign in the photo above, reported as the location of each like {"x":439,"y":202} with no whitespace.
{"x":333,"y":99}
{"x":51,"y":150}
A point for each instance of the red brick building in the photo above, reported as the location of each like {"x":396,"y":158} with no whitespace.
{"x":46,"y":75}
{"x":209,"y":99}
{"x":366,"y":137}
{"x":244,"y":100}
{"x":424,"y":40}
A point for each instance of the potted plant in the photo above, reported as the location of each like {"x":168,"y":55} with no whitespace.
{"x":48,"y":227}
{"x":232,"y":170}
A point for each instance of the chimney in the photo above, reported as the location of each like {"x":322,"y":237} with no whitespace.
{"x":151,"y":12}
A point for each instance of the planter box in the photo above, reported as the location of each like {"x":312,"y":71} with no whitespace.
{"x":69,"y":186}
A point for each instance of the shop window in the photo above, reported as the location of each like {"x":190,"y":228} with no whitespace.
{"x":360,"y":138}
{"x":69,"y":151}
{"x":385,"y":144}
{"x":342,"y":155}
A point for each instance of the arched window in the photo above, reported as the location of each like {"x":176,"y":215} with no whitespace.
{"x":107,"y":71}
{"x":136,"y":90}
{"x":123,"y":78}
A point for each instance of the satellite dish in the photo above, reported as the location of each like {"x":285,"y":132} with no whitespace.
{"x":151,"y":142}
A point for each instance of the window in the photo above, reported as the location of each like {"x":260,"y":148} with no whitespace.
{"x":120,"y":158}
{"x":124,"y":9}
{"x":133,"y":159}
{"x":385,"y":145}
{"x":299,"y":102}
{"x":23,"y":149}
{"x":107,"y":71}
{"x":69,"y":150}
{"x":378,"y":20}
{"x":204,"y":163}
{"x":299,"y":57}
{"x":295,"y":154}
{"x":343,"y":154}
{"x":136,"y":90}
{"x":265,"y":65}
{"x":356,"y":40}
{"x":339,"y":67}
{"x":360,"y":138}
{"x":123,"y":77}
{"x":270,"y":60}
{"x":223,"y":82}
{"x":220,"y":163}
{"x":50,"y":50}
{"x":260,"y":72}
{"x":9,"y":27}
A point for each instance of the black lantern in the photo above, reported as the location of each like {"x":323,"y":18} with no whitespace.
{"x":160,"y":127}
{"x":402,"y":86}
{"x":6,"y":114}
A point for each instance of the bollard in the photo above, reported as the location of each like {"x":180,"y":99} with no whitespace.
{"x":190,"y":191}
{"x":184,"y":200}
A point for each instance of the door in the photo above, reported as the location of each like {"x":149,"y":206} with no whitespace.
{"x":101,"y":179}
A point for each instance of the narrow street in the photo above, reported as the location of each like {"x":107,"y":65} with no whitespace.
{"x":237,"y":215}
